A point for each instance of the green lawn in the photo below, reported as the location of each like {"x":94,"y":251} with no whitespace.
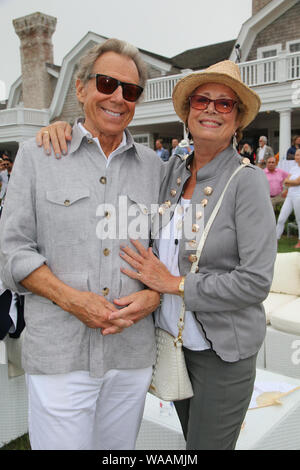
{"x":286,"y":244}
{"x":22,"y":443}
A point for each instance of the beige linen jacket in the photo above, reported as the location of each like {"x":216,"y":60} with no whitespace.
{"x":52,"y":213}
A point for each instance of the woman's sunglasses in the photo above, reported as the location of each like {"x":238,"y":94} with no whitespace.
{"x":222,"y":105}
{"x":108,"y":85}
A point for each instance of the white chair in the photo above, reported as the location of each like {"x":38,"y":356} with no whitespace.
{"x":13,"y":397}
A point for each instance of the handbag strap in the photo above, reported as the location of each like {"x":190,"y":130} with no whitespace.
{"x":200,"y":248}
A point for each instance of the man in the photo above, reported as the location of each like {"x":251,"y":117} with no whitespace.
{"x":276,"y":177}
{"x":87,"y":372}
{"x":6,"y":164}
{"x":161,"y":151}
{"x":263,"y":152}
{"x":175,"y":143}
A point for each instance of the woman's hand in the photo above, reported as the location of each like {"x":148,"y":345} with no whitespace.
{"x":57,"y":134}
{"x":136,"y":306}
{"x":149,"y":269}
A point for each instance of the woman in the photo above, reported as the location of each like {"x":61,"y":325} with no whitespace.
{"x":290,"y":154}
{"x":225,"y":321}
{"x":247,"y":152}
{"x":292,"y":201}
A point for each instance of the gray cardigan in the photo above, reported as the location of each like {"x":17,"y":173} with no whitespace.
{"x":236,"y":266}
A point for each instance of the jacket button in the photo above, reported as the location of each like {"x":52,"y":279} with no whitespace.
{"x":103,"y":180}
{"x":105,"y":291}
{"x":106,"y":251}
{"x":208,"y":191}
{"x":67,"y":202}
{"x":193,"y":258}
{"x":173,"y":192}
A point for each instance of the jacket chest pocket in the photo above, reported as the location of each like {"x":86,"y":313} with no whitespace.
{"x":139,"y":218}
{"x":68,"y":213}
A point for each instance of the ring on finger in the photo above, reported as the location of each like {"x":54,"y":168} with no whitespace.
{"x":45,"y":132}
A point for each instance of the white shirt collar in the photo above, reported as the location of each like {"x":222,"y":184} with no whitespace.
{"x":114,"y":153}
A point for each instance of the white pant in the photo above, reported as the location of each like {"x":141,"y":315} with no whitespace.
{"x":291,"y":203}
{"x":75,"y":411}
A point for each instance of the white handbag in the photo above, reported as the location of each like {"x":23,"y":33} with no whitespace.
{"x":170,"y":378}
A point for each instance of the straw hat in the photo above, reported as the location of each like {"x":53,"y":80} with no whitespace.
{"x":226,"y":73}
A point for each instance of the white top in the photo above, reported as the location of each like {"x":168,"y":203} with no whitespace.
{"x":261,"y":153}
{"x":95,"y":139}
{"x":295,"y":173}
{"x":168,"y":316}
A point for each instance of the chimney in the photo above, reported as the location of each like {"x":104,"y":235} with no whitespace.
{"x":35,"y":33}
{"x":258,"y":5}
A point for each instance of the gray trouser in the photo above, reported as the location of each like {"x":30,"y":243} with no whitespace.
{"x":212,"y":418}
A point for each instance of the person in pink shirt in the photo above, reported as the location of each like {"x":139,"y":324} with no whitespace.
{"x":276,"y":177}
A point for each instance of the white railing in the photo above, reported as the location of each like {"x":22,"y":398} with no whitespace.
{"x":24,"y":116}
{"x":161,"y":88}
{"x":276,"y":69}
{"x":293,"y":66}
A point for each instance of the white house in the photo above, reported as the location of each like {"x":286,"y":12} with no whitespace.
{"x":267,"y":50}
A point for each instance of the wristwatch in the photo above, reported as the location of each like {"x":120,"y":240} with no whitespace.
{"x":181,"y":286}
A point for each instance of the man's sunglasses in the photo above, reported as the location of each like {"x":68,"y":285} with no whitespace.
{"x":222,"y":105}
{"x":108,"y":85}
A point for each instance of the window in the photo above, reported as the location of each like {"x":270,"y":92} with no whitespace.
{"x":268,"y":51}
{"x":293,"y":46}
{"x":143,"y":139}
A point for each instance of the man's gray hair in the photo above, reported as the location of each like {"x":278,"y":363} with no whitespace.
{"x":264,"y":138}
{"x":86,"y":63}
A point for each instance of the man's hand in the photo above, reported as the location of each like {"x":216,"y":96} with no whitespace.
{"x":94,"y":311}
{"x":57,"y":134}
{"x":136,"y":306}
{"x":90,"y":308}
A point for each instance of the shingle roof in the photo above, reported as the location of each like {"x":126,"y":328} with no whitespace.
{"x":202,"y":57}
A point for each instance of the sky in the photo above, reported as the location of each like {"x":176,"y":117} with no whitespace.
{"x":165,"y":27}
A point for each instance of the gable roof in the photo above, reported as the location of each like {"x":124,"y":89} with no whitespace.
{"x":267,"y":15}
